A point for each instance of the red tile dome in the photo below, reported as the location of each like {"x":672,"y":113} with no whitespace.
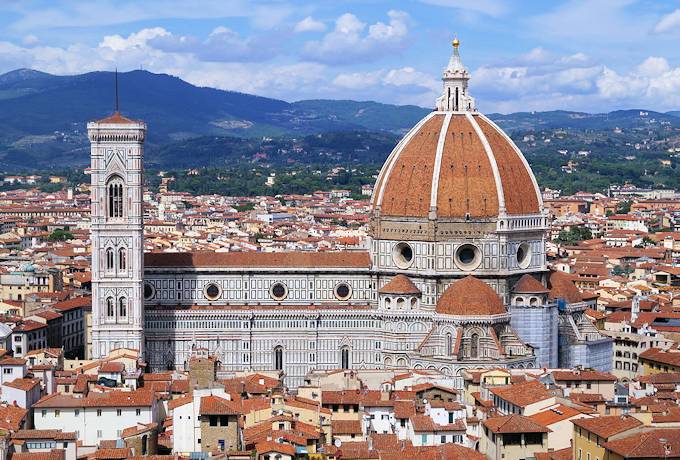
{"x":456,"y":165}
{"x":470,"y":297}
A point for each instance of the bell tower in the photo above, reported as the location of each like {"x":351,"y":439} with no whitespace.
{"x":117,"y":233}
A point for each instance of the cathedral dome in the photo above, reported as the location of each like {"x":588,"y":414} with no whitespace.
{"x":456,"y":164}
{"x":470,"y":297}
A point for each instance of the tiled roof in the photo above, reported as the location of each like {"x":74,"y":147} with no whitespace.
{"x":116,"y":119}
{"x":54,"y":454}
{"x":562,"y":454}
{"x":670,"y":357}
{"x":23,"y":384}
{"x":112,"y":367}
{"x":346,"y":427}
{"x":339,"y":259}
{"x":659,"y":443}
{"x":470,"y":297}
{"x":514,"y":423}
{"x":583,"y":375}
{"x":447,"y":451}
{"x":554,"y":414}
{"x":57,"y":435}
{"x":608,"y":426}
{"x":11,"y":417}
{"x":214,"y":405}
{"x":114,"y":453}
{"x":76,"y":302}
{"x":562,"y":287}
{"x":400,"y":284}
{"x":522,"y":394}
{"x":527,"y":284}
{"x":271,"y":446}
{"x":138,"y":398}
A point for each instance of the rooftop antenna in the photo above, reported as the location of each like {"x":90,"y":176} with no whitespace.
{"x":116,"y":74}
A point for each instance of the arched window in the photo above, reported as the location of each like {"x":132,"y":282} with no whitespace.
{"x":533,"y":301}
{"x":278,"y":358}
{"x":110,"y":308}
{"x":449,"y":344}
{"x":122,"y":307}
{"x":344,"y":358}
{"x":519,"y":300}
{"x":474,"y":346}
{"x":109,"y":259}
{"x":122,"y":259}
{"x":114,"y":197}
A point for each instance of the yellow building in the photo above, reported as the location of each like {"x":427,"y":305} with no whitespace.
{"x":656,"y":360}
{"x":591,"y":433}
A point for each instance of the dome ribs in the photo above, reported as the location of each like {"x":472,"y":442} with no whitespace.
{"x":466,"y":182}
{"x":520,"y":194}
{"x":408,"y":185}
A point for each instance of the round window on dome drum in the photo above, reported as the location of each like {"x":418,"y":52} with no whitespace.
{"x":278,"y":291}
{"x":468,"y":257}
{"x":402,"y":255}
{"x":149,"y":291}
{"x":342,"y":291}
{"x":212,"y":291}
{"x":523,"y":255}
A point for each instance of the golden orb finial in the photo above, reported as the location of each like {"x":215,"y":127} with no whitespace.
{"x":455,"y":42}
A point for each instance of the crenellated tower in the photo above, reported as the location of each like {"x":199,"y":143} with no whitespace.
{"x":117,"y":233}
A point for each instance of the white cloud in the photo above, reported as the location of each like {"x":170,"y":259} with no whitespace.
{"x":309,"y":24}
{"x":349,"y":42}
{"x":404,"y":85}
{"x":488,"y":7}
{"x":574,"y":82}
{"x":134,"y":40}
{"x":668,"y":23}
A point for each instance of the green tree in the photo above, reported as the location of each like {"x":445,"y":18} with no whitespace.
{"x":60,"y":234}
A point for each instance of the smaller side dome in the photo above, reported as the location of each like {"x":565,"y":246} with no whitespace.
{"x":562,"y":287}
{"x":400,"y":285}
{"x":470,"y":297}
{"x":527,"y":284}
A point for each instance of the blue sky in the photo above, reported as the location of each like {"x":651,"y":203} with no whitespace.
{"x":591,"y":55}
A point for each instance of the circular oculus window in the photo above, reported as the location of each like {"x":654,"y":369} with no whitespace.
{"x":402,"y":255}
{"x":149,"y":291}
{"x":212,"y":291}
{"x":468,"y":257}
{"x":523,"y":255}
{"x":342,"y":291}
{"x":278,"y":291}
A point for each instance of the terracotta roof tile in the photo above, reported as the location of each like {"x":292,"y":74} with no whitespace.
{"x":608,"y":426}
{"x":522,"y":394}
{"x":470,"y":297}
{"x":514,"y":423}
{"x":527,"y":284}
{"x":400,"y":284}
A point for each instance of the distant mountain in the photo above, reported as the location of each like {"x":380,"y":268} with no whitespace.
{"x":624,"y":119}
{"x":675,"y":113}
{"x":43,"y":117}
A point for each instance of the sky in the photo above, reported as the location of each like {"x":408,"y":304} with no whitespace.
{"x":588,"y":55}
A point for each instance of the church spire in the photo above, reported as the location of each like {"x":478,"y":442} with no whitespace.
{"x":455,"y":97}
